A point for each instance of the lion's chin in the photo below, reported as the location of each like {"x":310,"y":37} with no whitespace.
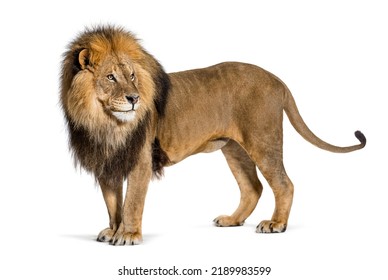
{"x":124,"y":116}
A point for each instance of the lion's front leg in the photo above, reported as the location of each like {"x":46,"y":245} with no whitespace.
{"x":113,"y":196}
{"x":130,"y":229}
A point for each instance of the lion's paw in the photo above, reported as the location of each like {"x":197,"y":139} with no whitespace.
{"x":227,"y":221}
{"x":106,"y":235}
{"x":126,"y":238}
{"x":271,"y":227}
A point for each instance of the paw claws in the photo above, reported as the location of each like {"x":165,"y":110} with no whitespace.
{"x":126,"y":239}
{"x":105,"y":235}
{"x":271,"y":227}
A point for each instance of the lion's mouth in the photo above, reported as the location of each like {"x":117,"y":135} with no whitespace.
{"x":123,"y":111}
{"x":124,"y":115}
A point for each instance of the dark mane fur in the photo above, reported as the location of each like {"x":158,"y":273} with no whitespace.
{"x":112,"y":165}
{"x":159,"y":159}
{"x":162,"y":84}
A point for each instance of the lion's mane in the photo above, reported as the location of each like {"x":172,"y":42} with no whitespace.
{"x":102,"y":146}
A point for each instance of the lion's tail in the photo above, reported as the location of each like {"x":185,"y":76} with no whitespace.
{"x":300,"y":126}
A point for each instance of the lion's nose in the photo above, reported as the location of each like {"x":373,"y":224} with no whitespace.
{"x":133,"y":99}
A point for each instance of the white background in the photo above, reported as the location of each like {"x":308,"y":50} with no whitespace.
{"x":331,"y":54}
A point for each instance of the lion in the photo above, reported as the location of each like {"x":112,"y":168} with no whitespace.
{"x":128,"y":119}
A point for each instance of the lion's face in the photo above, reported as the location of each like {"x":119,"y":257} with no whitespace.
{"x":116,"y":87}
{"x":110,"y":88}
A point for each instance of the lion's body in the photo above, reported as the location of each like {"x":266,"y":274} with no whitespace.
{"x":128,"y":119}
{"x":217,"y":103}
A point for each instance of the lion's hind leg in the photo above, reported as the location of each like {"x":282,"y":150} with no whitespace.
{"x":270,"y":164}
{"x":244,"y":170}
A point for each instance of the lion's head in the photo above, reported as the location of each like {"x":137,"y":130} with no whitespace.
{"x":108,"y":78}
{"x":111,"y":87}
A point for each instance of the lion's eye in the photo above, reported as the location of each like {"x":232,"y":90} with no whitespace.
{"x":111,"y":77}
{"x":132,"y":77}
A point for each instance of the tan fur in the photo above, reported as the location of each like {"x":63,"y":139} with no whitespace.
{"x":235,"y":107}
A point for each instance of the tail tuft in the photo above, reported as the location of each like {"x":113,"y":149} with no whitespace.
{"x":361,"y":137}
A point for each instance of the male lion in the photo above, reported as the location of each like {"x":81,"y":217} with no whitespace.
{"x":127,"y":119}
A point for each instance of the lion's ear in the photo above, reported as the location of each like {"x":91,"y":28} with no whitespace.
{"x":83,"y":58}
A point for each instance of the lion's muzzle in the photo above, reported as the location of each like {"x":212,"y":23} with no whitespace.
{"x":127,"y":111}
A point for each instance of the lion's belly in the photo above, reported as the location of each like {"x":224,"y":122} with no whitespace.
{"x":214,"y":145}
{"x":180,"y":152}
